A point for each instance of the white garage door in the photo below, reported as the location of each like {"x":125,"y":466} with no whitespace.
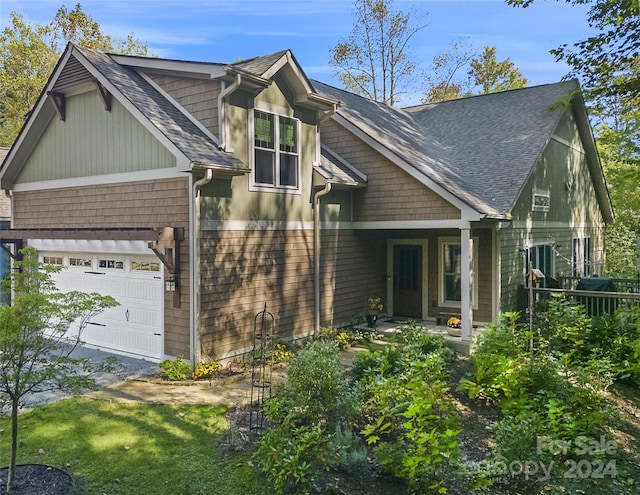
{"x":135,"y":281}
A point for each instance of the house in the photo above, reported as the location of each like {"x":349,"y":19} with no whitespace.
{"x":199,"y":193}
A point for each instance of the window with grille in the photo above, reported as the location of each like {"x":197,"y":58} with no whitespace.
{"x":276,"y":150}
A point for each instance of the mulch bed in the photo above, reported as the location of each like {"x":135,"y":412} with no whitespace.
{"x":38,"y":479}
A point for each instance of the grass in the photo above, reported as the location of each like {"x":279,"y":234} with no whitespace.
{"x":113,"y":448}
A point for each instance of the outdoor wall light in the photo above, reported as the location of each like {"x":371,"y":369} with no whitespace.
{"x":171,"y":283}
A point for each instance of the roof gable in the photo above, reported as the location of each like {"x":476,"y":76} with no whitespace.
{"x":284,"y":67}
{"x":475,"y":152}
{"x":79,"y":67}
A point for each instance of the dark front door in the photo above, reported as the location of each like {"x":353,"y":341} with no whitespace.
{"x":407,"y":280}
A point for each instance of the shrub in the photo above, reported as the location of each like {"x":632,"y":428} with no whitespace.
{"x":175,"y":370}
{"x":517,"y":437}
{"x":413,"y":427}
{"x":206,"y":369}
{"x":310,"y":414}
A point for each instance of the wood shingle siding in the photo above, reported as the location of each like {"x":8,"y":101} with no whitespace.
{"x":198,"y":96}
{"x":241,"y":270}
{"x":391,"y":194}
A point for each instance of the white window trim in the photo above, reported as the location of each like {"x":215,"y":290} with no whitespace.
{"x":278,"y":112}
{"x":442,"y":242}
{"x":578,"y":259}
{"x":538,"y":193}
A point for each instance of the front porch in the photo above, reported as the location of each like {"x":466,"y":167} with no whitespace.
{"x":389,"y":325}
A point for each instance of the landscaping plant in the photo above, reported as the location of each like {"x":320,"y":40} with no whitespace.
{"x":309,"y":416}
{"x":35,"y":343}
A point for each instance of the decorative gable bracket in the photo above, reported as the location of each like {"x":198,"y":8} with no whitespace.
{"x":167,"y":249}
{"x":105,"y":95}
{"x":59,"y":103}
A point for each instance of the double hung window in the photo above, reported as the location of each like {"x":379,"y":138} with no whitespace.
{"x":451,"y":272}
{"x":276,"y":150}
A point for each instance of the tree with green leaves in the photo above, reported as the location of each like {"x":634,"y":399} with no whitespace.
{"x":490,"y":75}
{"x":37,"y":341}
{"x":375,"y":60}
{"x":605,"y":62}
{"x":462,"y":71}
{"x":28,"y":54}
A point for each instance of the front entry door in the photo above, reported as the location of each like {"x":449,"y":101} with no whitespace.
{"x":407,"y":280}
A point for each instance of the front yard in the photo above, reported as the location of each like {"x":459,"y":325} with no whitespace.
{"x":523,"y":422}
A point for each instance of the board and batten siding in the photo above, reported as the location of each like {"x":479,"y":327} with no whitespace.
{"x":391,"y":193}
{"x":574,"y":211}
{"x":92,"y":141}
{"x":240,"y":272}
{"x":145,"y":204}
{"x":199,"y":97}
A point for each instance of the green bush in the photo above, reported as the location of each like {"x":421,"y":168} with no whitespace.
{"x":517,"y":437}
{"x":175,"y":370}
{"x":310,"y":415}
{"x":413,"y":427}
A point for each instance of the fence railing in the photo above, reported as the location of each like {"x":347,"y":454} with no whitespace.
{"x":596,"y":303}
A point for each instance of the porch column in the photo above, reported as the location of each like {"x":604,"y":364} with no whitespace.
{"x":466,"y":280}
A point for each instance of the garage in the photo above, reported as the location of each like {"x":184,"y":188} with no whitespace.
{"x":135,"y":281}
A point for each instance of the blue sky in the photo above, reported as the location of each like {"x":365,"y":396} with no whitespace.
{"x":228,"y":30}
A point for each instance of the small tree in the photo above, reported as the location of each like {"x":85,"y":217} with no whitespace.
{"x":35,"y":346}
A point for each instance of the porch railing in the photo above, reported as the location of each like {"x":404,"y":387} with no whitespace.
{"x":622,"y":284}
{"x":596,"y":303}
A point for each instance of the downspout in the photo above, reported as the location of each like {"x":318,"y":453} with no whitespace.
{"x":316,"y":251}
{"x":194,"y":246}
{"x":222,"y":116}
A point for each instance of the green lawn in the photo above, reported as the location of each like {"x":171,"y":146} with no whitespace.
{"x":112,"y":448}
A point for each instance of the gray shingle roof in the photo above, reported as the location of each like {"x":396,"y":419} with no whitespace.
{"x":259,"y":65}
{"x":194,"y":144}
{"x":335,"y":170}
{"x":496,"y":138}
{"x":479,"y":149}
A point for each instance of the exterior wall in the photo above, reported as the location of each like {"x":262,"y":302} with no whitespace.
{"x":352,"y":270}
{"x":153,"y":204}
{"x":573,"y":212}
{"x":237,"y":201}
{"x":391,"y":194}
{"x":198,"y":96}
{"x":243,"y":270}
{"x":92,"y":141}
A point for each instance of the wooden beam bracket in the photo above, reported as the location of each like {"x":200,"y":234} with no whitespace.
{"x":167,"y":249}
{"x":59,"y":104}
{"x":106,"y":96}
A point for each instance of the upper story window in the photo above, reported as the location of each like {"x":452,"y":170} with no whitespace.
{"x":276,"y":150}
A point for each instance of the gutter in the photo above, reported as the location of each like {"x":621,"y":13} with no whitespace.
{"x":194,"y":272}
{"x":222,"y":116}
{"x":316,"y":252}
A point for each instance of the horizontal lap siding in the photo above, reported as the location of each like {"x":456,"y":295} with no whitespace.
{"x":243,"y":270}
{"x":162,"y":203}
{"x":391,"y":194}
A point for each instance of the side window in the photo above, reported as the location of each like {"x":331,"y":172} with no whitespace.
{"x":276,"y":151}
{"x":450,"y":271}
{"x":581,"y":257}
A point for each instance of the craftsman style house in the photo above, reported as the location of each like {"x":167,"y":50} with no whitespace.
{"x":196,"y":193}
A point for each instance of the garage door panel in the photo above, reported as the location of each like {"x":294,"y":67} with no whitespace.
{"x":136,"y":326}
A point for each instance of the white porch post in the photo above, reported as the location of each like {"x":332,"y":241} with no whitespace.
{"x":466,"y":276}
